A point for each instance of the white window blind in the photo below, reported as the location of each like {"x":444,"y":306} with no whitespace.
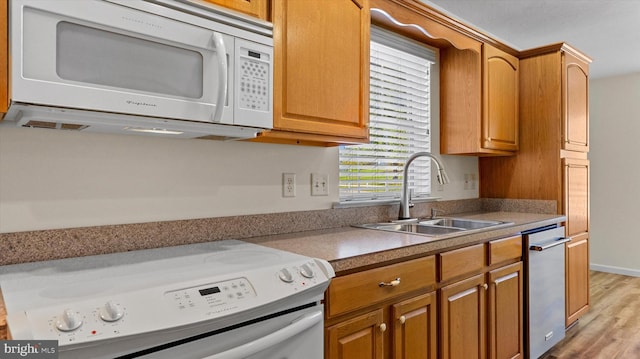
{"x":399,"y":123}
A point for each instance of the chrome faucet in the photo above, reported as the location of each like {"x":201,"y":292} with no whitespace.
{"x":404,"y":200}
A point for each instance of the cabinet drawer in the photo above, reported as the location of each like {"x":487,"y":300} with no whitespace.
{"x":362,"y":289}
{"x":505,"y":249}
{"x":461,"y":261}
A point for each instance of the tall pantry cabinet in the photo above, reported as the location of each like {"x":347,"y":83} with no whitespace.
{"x":552,"y":161}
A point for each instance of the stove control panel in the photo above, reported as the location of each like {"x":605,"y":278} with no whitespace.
{"x":212,"y":297}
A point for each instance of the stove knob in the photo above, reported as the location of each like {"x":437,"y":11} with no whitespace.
{"x":69,"y":321}
{"x":285,"y":275}
{"x":306,"y":271}
{"x":111,"y":312}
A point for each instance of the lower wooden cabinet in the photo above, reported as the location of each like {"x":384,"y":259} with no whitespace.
{"x":385,"y":312}
{"x":473,"y":310}
{"x":359,"y":337}
{"x":463,"y":318}
{"x":505,"y":312}
{"x":577,"y":277}
{"x":483,"y":315}
{"x":414,"y":333}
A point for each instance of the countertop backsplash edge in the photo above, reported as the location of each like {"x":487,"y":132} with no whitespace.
{"x":32,"y":246}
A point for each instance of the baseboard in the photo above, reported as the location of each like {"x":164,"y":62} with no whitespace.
{"x":615,"y":270}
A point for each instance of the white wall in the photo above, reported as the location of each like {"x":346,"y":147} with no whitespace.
{"x":615,"y":174}
{"x":56,"y":179}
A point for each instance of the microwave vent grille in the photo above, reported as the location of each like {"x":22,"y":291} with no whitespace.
{"x":54,"y":125}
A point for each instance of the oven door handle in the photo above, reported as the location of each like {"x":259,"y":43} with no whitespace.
{"x":277,"y":337}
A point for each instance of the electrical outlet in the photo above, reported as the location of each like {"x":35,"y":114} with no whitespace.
{"x":288,"y":185}
{"x":319,"y":184}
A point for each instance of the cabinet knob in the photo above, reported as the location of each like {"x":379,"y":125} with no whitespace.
{"x":485,"y":286}
{"x":393,"y":283}
{"x":402,"y":319}
{"x":383,"y":328}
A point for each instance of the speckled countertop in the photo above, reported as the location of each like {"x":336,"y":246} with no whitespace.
{"x":323,"y":234}
{"x":349,"y":249}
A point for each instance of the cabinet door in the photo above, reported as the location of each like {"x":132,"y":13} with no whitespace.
{"x":257,"y":8}
{"x":577,"y":277}
{"x":462,"y":324}
{"x":414,"y":328}
{"x":505,"y":312}
{"x":321,"y":67}
{"x":500,"y":100}
{"x":575,"y":100}
{"x":576,"y":195}
{"x":360,"y":337}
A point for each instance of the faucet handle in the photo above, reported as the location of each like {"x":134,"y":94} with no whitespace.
{"x":434,"y":212}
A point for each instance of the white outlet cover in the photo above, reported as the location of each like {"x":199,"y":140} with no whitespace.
{"x":288,"y":185}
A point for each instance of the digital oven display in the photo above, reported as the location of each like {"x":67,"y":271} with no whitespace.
{"x":208,"y":291}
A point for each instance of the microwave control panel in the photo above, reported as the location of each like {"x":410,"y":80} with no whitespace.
{"x":254,"y":71}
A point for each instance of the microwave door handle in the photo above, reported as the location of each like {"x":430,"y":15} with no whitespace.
{"x":221,"y":54}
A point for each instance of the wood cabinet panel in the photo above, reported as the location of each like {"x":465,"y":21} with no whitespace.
{"x":4,"y":59}
{"x":478,"y":102}
{"x":505,"y":249}
{"x":505,"y":312}
{"x":460,"y":101}
{"x":321,"y":68}
{"x":552,"y":161}
{"x":467,"y":260}
{"x":500,"y":100}
{"x":462,"y":323}
{"x":257,"y":8}
{"x":575,"y":89}
{"x":414,"y":328}
{"x":362,"y":289}
{"x":359,"y":337}
{"x":576,"y":201}
{"x":577,"y":283}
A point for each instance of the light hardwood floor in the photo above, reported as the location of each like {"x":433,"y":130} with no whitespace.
{"x":611,"y":328}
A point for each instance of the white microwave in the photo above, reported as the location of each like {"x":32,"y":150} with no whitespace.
{"x":165,"y":67}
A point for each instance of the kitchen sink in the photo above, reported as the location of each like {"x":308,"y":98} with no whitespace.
{"x":417,"y":228}
{"x":462,"y":223}
{"x":435,"y":227}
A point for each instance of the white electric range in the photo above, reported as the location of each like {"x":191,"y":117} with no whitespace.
{"x":223,"y":299}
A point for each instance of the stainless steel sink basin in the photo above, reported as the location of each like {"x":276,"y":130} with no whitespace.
{"x":462,"y":223}
{"x":436,"y":227}
{"x":417,"y":228}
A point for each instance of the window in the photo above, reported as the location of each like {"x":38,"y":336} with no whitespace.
{"x":399,"y":123}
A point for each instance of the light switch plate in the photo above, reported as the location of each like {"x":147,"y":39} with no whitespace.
{"x":319,"y":184}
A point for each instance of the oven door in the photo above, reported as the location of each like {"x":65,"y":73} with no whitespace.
{"x":103,"y":56}
{"x":297,"y":335}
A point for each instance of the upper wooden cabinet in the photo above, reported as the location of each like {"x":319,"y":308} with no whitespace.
{"x":499,"y":100}
{"x":321,"y":71}
{"x":257,"y":8}
{"x":479,"y":102}
{"x":4,"y":60}
{"x":575,"y":102}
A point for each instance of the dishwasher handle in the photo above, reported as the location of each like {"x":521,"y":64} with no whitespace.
{"x":556,"y":242}
{"x":277,"y":337}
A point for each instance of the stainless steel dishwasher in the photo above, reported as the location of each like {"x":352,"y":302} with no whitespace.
{"x":545,"y":288}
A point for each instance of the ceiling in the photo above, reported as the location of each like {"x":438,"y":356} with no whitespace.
{"x":608,"y":31}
